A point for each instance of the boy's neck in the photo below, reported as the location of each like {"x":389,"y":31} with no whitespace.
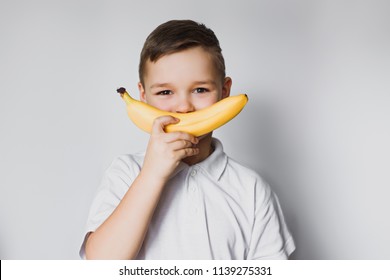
{"x":205,"y":149}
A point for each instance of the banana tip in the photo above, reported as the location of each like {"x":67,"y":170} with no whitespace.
{"x":121,"y":90}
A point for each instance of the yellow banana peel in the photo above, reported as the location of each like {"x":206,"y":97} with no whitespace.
{"x":196,"y":123}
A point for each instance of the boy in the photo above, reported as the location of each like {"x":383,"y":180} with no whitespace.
{"x":184,"y":198}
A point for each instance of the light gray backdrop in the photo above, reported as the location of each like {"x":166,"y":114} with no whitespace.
{"x":316,"y":126}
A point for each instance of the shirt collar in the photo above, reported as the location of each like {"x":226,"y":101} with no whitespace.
{"x":215,"y":164}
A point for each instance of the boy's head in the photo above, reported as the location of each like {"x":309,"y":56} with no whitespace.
{"x":178,"y":35}
{"x":182,"y":68}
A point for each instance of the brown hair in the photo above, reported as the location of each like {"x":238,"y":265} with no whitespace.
{"x":177,"y":35}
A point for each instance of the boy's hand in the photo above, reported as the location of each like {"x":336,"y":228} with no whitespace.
{"x":166,"y":150}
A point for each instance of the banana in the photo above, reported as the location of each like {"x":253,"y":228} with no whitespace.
{"x":196,"y":123}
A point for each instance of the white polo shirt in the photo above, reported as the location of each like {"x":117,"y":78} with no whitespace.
{"x":216,"y":209}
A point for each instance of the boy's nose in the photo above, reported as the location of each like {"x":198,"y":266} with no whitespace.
{"x":185,"y":106}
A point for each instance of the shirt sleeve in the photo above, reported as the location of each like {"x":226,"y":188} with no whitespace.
{"x":270,"y":238}
{"x":115,"y":183}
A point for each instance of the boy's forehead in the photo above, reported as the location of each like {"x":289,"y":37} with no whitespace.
{"x":193,"y":64}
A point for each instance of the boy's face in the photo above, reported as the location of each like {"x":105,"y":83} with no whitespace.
{"x":183,"y":82}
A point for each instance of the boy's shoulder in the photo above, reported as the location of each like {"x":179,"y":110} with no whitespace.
{"x":237,"y":169}
{"x":127,"y":162}
{"x":246,"y":182}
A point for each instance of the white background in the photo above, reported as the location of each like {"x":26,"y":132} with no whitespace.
{"x":317,"y":125}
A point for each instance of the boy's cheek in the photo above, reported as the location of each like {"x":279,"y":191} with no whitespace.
{"x":161,"y":105}
{"x":209,"y":102}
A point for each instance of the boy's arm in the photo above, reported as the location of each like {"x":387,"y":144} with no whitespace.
{"x":122,"y":234}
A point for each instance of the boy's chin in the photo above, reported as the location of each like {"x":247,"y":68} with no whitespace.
{"x":207,"y":135}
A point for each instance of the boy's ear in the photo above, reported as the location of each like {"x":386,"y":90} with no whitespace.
{"x":227,"y":84}
{"x":141,"y":90}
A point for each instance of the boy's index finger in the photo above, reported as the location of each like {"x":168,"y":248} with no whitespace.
{"x":160,"y":123}
{"x":181,"y":135}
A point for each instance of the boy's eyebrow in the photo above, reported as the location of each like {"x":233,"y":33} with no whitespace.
{"x":206,"y":82}
{"x":161,"y":85}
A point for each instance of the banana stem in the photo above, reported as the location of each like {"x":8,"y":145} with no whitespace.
{"x":124,"y":94}
{"x":121,"y":91}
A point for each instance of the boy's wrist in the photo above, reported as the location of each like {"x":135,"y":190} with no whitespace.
{"x":151,"y":180}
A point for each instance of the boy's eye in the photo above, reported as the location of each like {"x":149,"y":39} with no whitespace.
{"x":201,"y":90}
{"x":164,"y":92}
